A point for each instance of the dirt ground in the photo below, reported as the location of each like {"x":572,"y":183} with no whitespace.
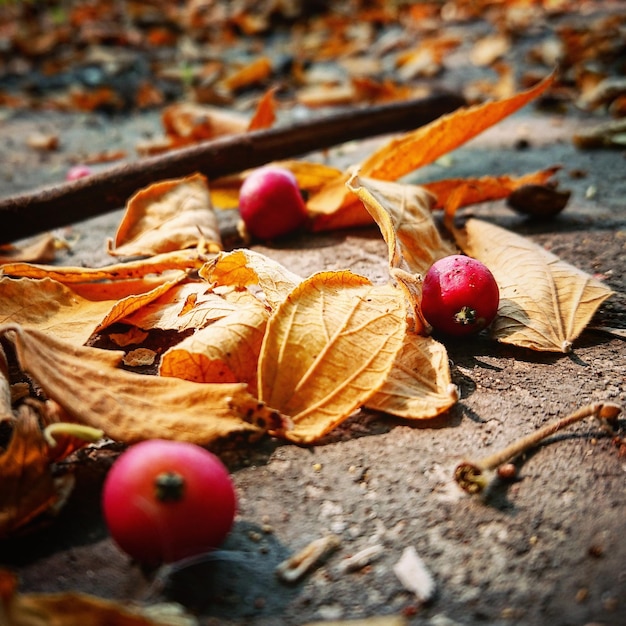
{"x":546,"y":549}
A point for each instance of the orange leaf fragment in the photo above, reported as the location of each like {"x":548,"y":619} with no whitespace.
{"x":253,"y":73}
{"x":265,"y":113}
{"x":166,"y":216}
{"x":327,"y":348}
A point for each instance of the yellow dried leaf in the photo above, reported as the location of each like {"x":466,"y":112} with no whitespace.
{"x":245,"y":268}
{"x":403,"y":214}
{"x":419,"y":384}
{"x":168,"y":215}
{"x":128,"y":407}
{"x":71,"y":313}
{"x":545,"y":303}
{"x":190,"y":305}
{"x":159,"y":264}
{"x":226,"y":351}
{"x":327,"y":349}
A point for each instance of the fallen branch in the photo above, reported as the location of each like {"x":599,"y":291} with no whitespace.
{"x":51,"y":207}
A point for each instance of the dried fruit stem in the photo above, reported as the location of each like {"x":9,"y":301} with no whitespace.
{"x":470,"y":474}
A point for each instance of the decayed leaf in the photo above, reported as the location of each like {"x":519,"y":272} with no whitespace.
{"x":545,"y":303}
{"x":327,"y":349}
{"x":79,"y":609}
{"x":245,"y":268}
{"x":28,"y":488}
{"x":168,"y":215}
{"x":127,"y":406}
{"x":403,"y":214}
{"x":65,"y":312}
{"x":226,"y":351}
{"x":419,"y":384}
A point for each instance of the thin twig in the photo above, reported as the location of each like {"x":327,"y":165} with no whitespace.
{"x":470,"y":475}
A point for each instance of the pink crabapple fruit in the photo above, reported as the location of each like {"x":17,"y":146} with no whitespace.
{"x":270,"y":203}
{"x":78,"y":171}
{"x":460,"y":296}
{"x":167,"y":500}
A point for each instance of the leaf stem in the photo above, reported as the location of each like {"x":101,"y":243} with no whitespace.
{"x":81,"y":431}
{"x":470,"y":475}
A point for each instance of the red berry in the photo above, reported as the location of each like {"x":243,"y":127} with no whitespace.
{"x":460,"y":295}
{"x":167,"y":500}
{"x":78,"y":171}
{"x":270,"y":203}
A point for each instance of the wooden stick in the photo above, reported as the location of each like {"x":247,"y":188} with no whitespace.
{"x":59,"y":205}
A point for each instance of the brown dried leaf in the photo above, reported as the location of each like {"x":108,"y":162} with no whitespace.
{"x":127,"y":406}
{"x":327,"y":348}
{"x":245,"y":268}
{"x":227,"y":351}
{"x":419,"y":384}
{"x":166,"y":216}
{"x":78,"y":609}
{"x":28,"y":488}
{"x":41,"y":250}
{"x":545,"y":303}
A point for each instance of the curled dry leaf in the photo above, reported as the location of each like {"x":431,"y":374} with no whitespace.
{"x":168,"y":215}
{"x":226,"y":351}
{"x":246,"y":268}
{"x":545,"y":303}
{"x":131,"y":270}
{"x":128,"y":407}
{"x":190,"y":305}
{"x":403,"y":214}
{"x":419,"y":384}
{"x":327,"y":348}
{"x":41,"y":250}
{"x":73,"y":313}
{"x":77,"y":609}
{"x":412,"y":150}
{"x":28,"y":487}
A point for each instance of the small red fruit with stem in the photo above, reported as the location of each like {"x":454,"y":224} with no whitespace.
{"x":270,"y":203}
{"x":460,"y":296}
{"x":167,"y":500}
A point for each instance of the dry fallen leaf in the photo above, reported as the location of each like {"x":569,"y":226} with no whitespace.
{"x":403,"y":214}
{"x":28,"y":487}
{"x":129,"y":407}
{"x":40,"y":250}
{"x":225,"y":351}
{"x":327,"y":348}
{"x":545,"y":303}
{"x":419,"y":384}
{"x":73,"y":313}
{"x":247,"y":268}
{"x":168,"y":215}
{"x":334,"y":206}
